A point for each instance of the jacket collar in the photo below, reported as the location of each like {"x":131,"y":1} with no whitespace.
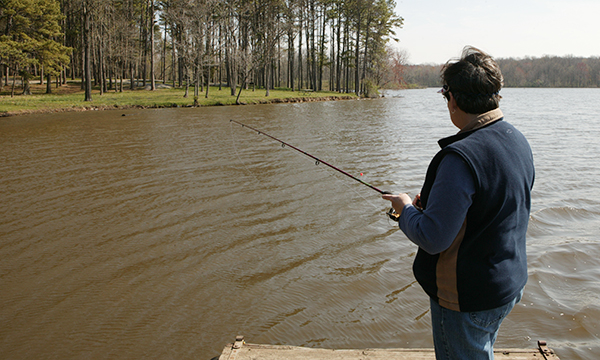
{"x":477,"y":123}
{"x":483,"y":120}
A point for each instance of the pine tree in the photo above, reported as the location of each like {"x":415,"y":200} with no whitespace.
{"x":32,"y":29}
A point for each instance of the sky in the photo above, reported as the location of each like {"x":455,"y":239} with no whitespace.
{"x":435,"y":31}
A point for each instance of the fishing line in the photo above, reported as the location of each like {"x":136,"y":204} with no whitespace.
{"x":347,"y":186}
{"x":328,"y":173}
{"x":391,"y":213}
{"x":237,"y":154}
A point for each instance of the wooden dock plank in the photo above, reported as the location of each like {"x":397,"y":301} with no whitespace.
{"x":244,"y":351}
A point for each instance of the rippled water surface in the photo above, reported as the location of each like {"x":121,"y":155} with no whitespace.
{"x":165,"y":233}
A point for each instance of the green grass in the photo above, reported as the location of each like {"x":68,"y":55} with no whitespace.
{"x":70,"y":97}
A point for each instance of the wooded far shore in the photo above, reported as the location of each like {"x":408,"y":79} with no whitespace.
{"x":547,"y":71}
{"x":69,"y":97}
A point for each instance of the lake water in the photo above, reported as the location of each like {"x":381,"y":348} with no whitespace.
{"x":166,"y":233}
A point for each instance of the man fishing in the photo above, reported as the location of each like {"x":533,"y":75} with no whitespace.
{"x":471,"y":217}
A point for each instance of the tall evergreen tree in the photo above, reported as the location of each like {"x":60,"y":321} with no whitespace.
{"x":32,"y":38}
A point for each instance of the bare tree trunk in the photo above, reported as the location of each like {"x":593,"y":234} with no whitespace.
{"x":231,"y":76}
{"x":152,"y":77}
{"x":173,"y":58}
{"x":207,"y":81}
{"x":278,"y":79}
{"x":196,"y":82}
{"x":333,"y":61}
{"x":356,"y":54}
{"x":243,"y":85}
{"x":364,"y":73}
{"x":220,"y":57}
{"x":187,"y":84}
{"x":291,"y":59}
{"x":12,"y":91}
{"x":208,"y":49}
{"x":309,"y":54}
{"x":313,"y":46}
{"x":347,"y":49}
{"x":86,"y":46}
{"x":267,"y":66}
{"x":322,"y":49}
{"x":144,"y":44}
{"x":48,"y":85}
{"x":102,"y":76}
{"x":201,"y":77}
{"x":338,"y":70}
{"x":164,"y":56}
{"x":301,"y":80}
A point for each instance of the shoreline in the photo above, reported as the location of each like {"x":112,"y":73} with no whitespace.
{"x":69,"y":98}
{"x":166,"y":106}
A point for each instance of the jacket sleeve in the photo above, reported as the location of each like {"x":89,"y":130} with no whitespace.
{"x":434,"y":229}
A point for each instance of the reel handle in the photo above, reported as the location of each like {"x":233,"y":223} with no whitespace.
{"x":392,"y":214}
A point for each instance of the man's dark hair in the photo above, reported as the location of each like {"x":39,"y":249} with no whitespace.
{"x":474,"y":81}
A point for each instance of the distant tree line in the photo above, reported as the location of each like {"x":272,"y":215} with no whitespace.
{"x":336,"y":45}
{"x":547,"y":71}
{"x":551,"y":71}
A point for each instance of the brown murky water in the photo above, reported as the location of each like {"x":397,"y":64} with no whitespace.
{"x":165,"y":233}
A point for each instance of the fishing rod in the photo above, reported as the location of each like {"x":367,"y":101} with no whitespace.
{"x":391,"y":213}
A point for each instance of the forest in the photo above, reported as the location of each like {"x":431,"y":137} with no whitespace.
{"x":547,"y":71}
{"x":309,"y":45}
{"x":338,"y":45}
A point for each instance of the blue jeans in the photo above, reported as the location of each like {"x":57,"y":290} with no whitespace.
{"x":467,"y":335}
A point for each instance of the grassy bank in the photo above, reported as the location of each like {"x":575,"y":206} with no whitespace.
{"x":70,"y":97}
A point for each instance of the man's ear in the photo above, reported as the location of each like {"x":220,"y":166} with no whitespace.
{"x":452,"y":106}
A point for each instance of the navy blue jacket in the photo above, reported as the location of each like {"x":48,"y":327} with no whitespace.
{"x":485,"y":266}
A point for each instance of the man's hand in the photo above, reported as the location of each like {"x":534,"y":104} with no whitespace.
{"x":398,"y":201}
